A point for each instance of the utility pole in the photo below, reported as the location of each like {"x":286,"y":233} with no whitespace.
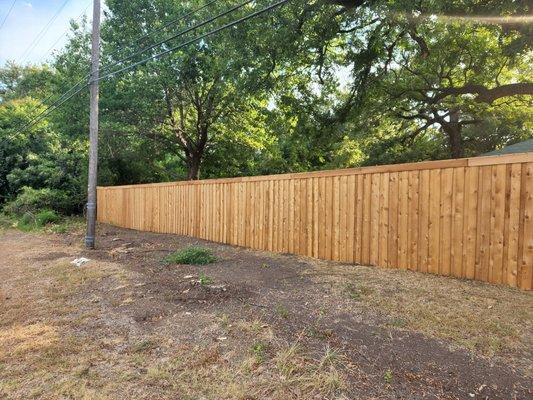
{"x":93,"y":128}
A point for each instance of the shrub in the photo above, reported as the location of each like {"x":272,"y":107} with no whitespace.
{"x":34,"y":200}
{"x":194,"y":255}
{"x":46,"y":217}
{"x":27,"y":220}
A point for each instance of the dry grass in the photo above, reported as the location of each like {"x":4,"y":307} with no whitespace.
{"x":65,"y":334}
{"x":492,"y":320}
{"x":48,"y":349}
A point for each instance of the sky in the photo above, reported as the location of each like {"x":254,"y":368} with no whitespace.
{"x":25,"y":22}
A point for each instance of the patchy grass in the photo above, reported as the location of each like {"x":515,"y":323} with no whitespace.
{"x":107,"y":330}
{"x":46,"y":221}
{"x":193,"y":255}
{"x":473,"y":315}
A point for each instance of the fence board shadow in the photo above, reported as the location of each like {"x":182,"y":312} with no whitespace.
{"x":468,"y":218}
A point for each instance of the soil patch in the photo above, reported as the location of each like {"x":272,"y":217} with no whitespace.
{"x":252,"y":325}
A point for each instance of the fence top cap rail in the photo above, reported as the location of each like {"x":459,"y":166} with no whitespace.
{"x":436,"y":164}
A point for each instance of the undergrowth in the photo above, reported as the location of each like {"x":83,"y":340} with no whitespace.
{"x":193,"y":255}
{"x":42,"y":221}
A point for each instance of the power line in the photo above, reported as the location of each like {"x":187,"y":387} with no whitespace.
{"x":233,"y":9}
{"x":66,"y":96}
{"x":43,"y":32}
{"x":182,"y":17}
{"x":52,"y":107}
{"x":8,"y":13}
{"x":63,"y":34}
{"x":196,"y":39}
{"x":179,"y":34}
{"x":166,"y":25}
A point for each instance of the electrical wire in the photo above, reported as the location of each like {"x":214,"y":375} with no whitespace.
{"x":64,"y":33}
{"x":8,"y":14}
{"x":179,"y":34}
{"x":168,"y":24}
{"x":182,"y":17}
{"x":66,"y":96}
{"x":43,"y":32}
{"x":196,"y":39}
{"x":58,"y":103}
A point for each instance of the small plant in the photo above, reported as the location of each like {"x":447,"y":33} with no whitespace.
{"x":5,"y":221}
{"x":205,"y":280}
{"x":282,"y":311}
{"x":145,"y":345}
{"x":193,"y":255}
{"x":259,"y":350}
{"x":398,"y":322}
{"x":356,"y":293}
{"x":224,"y":320}
{"x":319,"y":334}
{"x":27,"y":221}
{"x":387,"y":376}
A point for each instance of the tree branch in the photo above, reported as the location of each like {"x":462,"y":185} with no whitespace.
{"x":485,"y":95}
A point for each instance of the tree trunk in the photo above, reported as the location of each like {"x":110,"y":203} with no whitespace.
{"x":453,"y":130}
{"x":193,"y":167}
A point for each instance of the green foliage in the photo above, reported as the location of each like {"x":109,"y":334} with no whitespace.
{"x":34,"y":200}
{"x":46,"y":217}
{"x":282,"y":311}
{"x":259,"y":350}
{"x":6,"y":221}
{"x":30,"y":221}
{"x":388,"y":376}
{"x":193,"y":255}
{"x":306,"y":88}
{"x":205,"y":280}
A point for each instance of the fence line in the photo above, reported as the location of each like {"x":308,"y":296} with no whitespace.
{"x":470,"y":218}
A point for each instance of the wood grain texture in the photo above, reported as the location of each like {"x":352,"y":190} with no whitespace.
{"x":468,"y":218}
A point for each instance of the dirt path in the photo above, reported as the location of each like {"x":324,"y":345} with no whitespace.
{"x":266,"y":326}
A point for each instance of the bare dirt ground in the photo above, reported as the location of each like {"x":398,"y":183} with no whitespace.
{"x":265,"y":326}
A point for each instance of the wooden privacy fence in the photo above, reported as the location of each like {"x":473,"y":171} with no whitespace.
{"x":470,"y":218}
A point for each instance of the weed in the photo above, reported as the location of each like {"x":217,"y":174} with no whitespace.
{"x":59,"y":229}
{"x":205,"y":280}
{"x":352,"y":291}
{"x":319,"y":334}
{"x":330,"y":357}
{"x":285,"y":360}
{"x":193,"y":255}
{"x":145,"y":345}
{"x":156,"y":374}
{"x":387,"y":376}
{"x":282,"y":311}
{"x":259,"y":350}
{"x":224,"y":320}
{"x":27,"y":221}
{"x":5,"y":222}
{"x":398,"y":323}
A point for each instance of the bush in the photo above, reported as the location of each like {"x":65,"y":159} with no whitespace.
{"x":46,"y":217}
{"x":35,"y":200}
{"x":29,"y":221}
{"x":191,"y":255}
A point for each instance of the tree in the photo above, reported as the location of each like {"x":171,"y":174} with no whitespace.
{"x":193,"y":94}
